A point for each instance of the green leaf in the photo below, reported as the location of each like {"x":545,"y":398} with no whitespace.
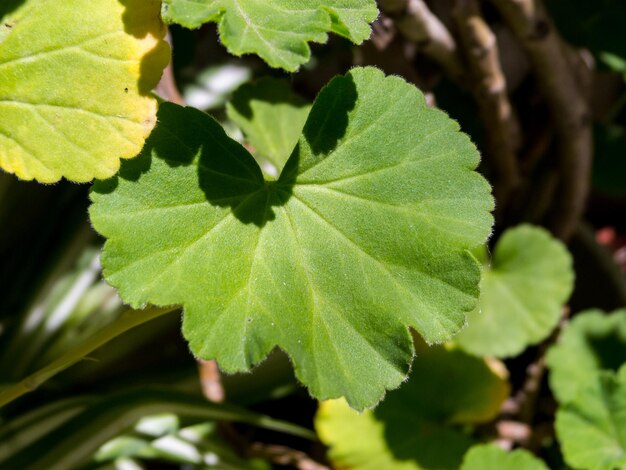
{"x":522,"y":294}
{"x":271,"y":116}
{"x":365,"y":232}
{"x":75,"y":77}
{"x":592,"y":342}
{"x":278,"y":31}
{"x":492,"y":457}
{"x":414,"y":427}
{"x":592,"y":427}
{"x":448,"y":385}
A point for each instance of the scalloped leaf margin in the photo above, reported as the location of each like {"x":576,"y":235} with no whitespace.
{"x":278,"y":31}
{"x":365,"y":233}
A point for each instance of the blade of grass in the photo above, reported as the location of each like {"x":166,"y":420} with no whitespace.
{"x":126,"y":321}
{"x":76,"y":441}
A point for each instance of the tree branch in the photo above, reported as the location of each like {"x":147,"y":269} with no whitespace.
{"x":490,"y":91}
{"x":418,"y":24}
{"x":558,"y":83}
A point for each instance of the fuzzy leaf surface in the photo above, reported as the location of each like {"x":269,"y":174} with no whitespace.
{"x":75,"y":78}
{"x":271,"y":116}
{"x":492,"y":457}
{"x":416,"y":426}
{"x":592,"y":427}
{"x":364,"y":233}
{"x":278,"y":31}
{"x":522,"y":294}
{"x":593,"y":341}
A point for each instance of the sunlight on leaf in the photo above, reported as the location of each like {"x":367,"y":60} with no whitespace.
{"x":365,"y":232}
{"x":593,"y":341}
{"x":492,"y":457}
{"x":592,"y":426}
{"x":75,"y":77}
{"x":278,"y":31}
{"x":522,"y":294}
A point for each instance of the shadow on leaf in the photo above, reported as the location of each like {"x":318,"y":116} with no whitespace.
{"x":142,"y":19}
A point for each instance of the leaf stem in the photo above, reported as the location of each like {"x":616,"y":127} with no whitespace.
{"x":126,"y":321}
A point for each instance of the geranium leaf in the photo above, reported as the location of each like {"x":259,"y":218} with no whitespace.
{"x":75,"y":78}
{"x":414,"y":428}
{"x":593,"y":341}
{"x":271,"y":116}
{"x":522,"y":294}
{"x":278,"y":31}
{"x":492,"y":457}
{"x":592,"y":426}
{"x":364,"y":233}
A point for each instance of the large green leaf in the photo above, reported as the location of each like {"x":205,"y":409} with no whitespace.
{"x":522,"y":294}
{"x":414,"y":427}
{"x":592,"y":427}
{"x":271,"y":116}
{"x":278,"y":31}
{"x":593,"y":341}
{"x":75,"y":77}
{"x":492,"y":457}
{"x":365,"y":232}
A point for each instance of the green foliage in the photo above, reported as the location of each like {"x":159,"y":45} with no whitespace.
{"x":492,"y":457}
{"x":54,"y":437}
{"x":336,"y":237}
{"x":592,"y":425}
{"x":271,"y":116}
{"x":278,"y":31}
{"x":192,"y":222}
{"x":522,"y":294}
{"x":75,"y":78}
{"x":592,"y":342}
{"x":414,"y":428}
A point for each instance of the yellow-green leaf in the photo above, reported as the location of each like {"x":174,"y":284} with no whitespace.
{"x":417,"y":426}
{"x":75,"y":82}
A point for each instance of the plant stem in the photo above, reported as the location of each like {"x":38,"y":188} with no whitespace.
{"x":126,"y":321}
{"x":418,"y":24}
{"x":480,"y":46}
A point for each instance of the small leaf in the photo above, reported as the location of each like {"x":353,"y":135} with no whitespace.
{"x":413,"y":428}
{"x":365,"y":232}
{"x":593,"y":341}
{"x":271,"y":116}
{"x":522,"y":294}
{"x":278,"y":31}
{"x":74,"y":83}
{"x":592,"y":427}
{"x":492,"y":457}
